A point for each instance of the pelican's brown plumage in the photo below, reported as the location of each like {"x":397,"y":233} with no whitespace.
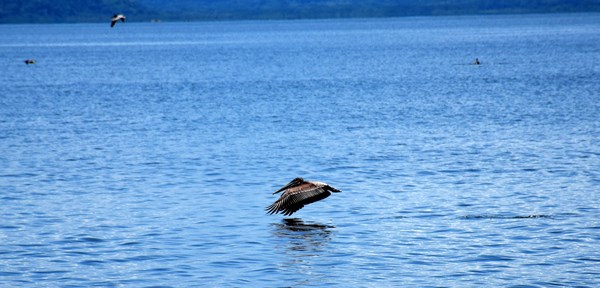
{"x":298,"y":193}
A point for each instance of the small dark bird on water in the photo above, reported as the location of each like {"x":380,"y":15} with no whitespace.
{"x":298,"y":193}
{"x":116,"y":18}
{"x":29,"y":61}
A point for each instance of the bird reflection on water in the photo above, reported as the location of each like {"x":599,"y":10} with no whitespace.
{"x":304,"y":246}
{"x":309,"y":237}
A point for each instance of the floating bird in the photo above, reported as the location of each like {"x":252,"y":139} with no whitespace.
{"x":29,"y":61}
{"x":477,"y":61}
{"x":298,"y":193}
{"x":116,"y":18}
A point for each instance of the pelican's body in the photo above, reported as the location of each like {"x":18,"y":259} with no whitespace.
{"x":298,"y":193}
{"x":116,"y":18}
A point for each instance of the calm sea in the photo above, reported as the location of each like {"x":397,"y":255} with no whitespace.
{"x":144,"y":155}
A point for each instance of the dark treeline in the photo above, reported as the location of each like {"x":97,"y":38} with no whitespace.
{"x":38,"y":11}
{"x":65,"y":11}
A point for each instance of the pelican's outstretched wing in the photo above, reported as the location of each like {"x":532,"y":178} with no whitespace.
{"x":297,"y":195}
{"x":293,"y":183}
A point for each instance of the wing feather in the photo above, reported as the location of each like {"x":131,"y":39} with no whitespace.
{"x":293,"y":183}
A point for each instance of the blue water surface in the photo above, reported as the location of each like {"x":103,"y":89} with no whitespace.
{"x":144,"y":155}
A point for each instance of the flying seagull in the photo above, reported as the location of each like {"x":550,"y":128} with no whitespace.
{"x":298,"y":193}
{"x":116,"y":18}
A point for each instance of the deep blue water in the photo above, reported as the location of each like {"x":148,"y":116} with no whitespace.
{"x":144,"y":155}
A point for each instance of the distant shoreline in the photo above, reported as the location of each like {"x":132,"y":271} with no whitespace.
{"x":145,"y":19}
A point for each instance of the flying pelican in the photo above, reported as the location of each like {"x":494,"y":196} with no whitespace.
{"x":298,"y":193}
{"x":116,"y":18}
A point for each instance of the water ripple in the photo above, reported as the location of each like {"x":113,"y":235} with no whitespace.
{"x":533,"y":216}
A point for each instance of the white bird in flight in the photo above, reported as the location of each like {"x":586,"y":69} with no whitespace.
{"x":116,"y":18}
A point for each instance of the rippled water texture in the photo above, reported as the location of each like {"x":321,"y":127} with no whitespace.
{"x":145,"y":155}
